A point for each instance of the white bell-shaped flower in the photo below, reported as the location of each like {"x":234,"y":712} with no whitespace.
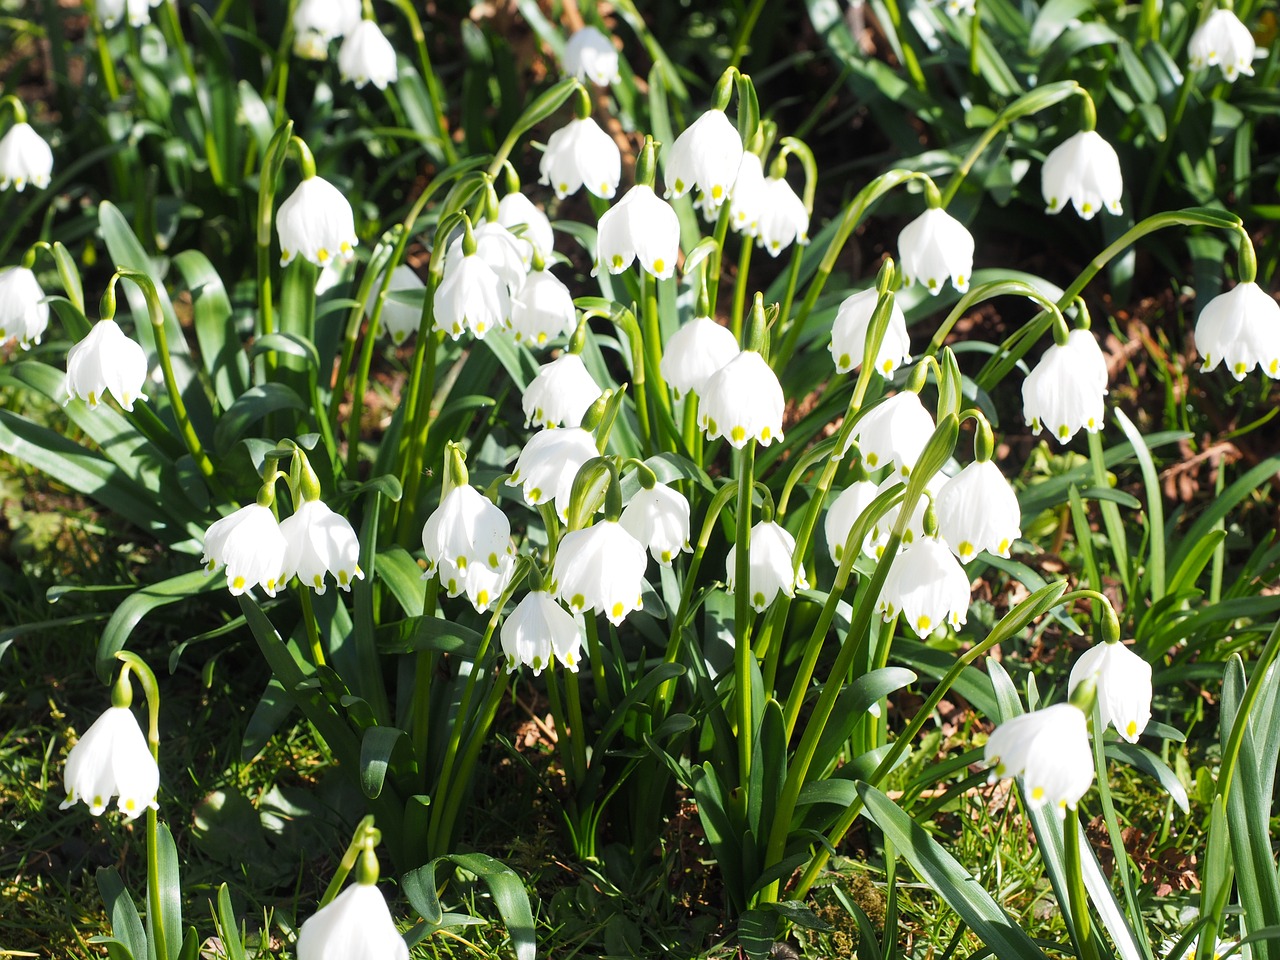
{"x":694,"y":352}
{"x":24,"y":315}
{"x":316,"y":223}
{"x":877,"y":540}
{"x":106,"y":360}
{"x":542,"y":309}
{"x":111,"y":12}
{"x":978,"y":510}
{"x":707,"y":156}
{"x":497,"y":247}
{"x":485,"y":585}
{"x":771,"y":555}
{"x":111,"y":759}
{"x":320,"y":543}
{"x":956,"y":7}
{"x":600,"y":568}
{"x":528,"y":224}
{"x":590,"y":55}
{"x":251,"y":545}
{"x":1065,"y":390}
{"x":401,"y":319}
{"x":357,"y":925}
{"x":933,"y":247}
{"x":742,"y":400}
{"x":1049,"y":749}
{"x":465,"y":532}
{"x":316,"y":23}
{"x":849,"y":335}
{"x":24,"y":158}
{"x":747,"y":201}
{"x":844,"y":512}
{"x":367,"y":56}
{"x":1240,"y":328}
{"x":659,"y":516}
{"x":581,"y":153}
{"x":895,"y":431}
{"x":641,"y":226}
{"x":782,"y":219}
{"x":927,"y":586}
{"x":560,"y":394}
{"x":548,"y":463}
{"x":471,"y":296}
{"x":539,"y":629}
{"x":1123,"y":682}
{"x":1083,"y":170}
{"x":1223,"y":41}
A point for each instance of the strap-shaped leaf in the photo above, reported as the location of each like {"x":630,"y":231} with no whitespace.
{"x":509,"y":896}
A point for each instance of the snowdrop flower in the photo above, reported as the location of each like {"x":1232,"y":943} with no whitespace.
{"x":23,"y":313}
{"x":401,"y":319}
{"x":639,"y":226}
{"x":497,"y":247}
{"x":357,"y":925}
{"x":581,"y":153}
{"x":516,"y":210}
{"x":318,"y":22}
{"x":706,"y":155}
{"x":560,"y":394}
{"x":878,"y":538}
{"x":1123,"y":683}
{"x":1065,"y":390}
{"x":542,"y":309}
{"x":747,"y":201}
{"x":590,"y":55}
{"x":548,"y":463}
{"x":253,"y":548}
{"x":1225,"y":42}
{"x":600,"y":568}
{"x":782,"y":218}
{"x":956,"y":7}
{"x":894,"y":431}
{"x":110,"y":12}
{"x":465,"y":532}
{"x":849,"y":335}
{"x":485,"y":585}
{"x":741,"y":401}
{"x":844,"y":513}
{"x":316,"y":222}
{"x":659,"y":516}
{"x":366,"y":56}
{"x":771,"y":554}
{"x":1241,"y":328}
{"x":1085,"y":171}
{"x":978,"y":510}
{"x":111,"y":759}
{"x":933,"y":247}
{"x":694,"y":352}
{"x":1049,"y":749}
{"x":106,"y":360}
{"x":927,"y":586}
{"x":24,"y":158}
{"x":539,"y":629}
{"x":320,"y":543}
{"x":471,"y":296}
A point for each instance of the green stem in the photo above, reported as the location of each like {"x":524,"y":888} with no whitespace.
{"x":313,"y":628}
{"x":430,"y":79}
{"x":717,"y":255}
{"x":577,"y":731}
{"x":456,"y":791}
{"x":744,"y":32}
{"x":595,"y":654}
{"x":908,"y":54}
{"x":424,"y":670}
{"x":652,"y":342}
{"x":740,"y":288}
{"x":742,"y":610}
{"x":419,"y":397}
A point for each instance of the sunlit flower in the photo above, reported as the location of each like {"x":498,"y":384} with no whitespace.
{"x":106,"y":360}
{"x":538,"y":629}
{"x":528,"y":224}
{"x":978,"y":510}
{"x":706,"y":155}
{"x":471,"y":296}
{"x":590,"y":55}
{"x":497,"y":247}
{"x":548,"y":463}
{"x":23,"y":313}
{"x":849,"y":335}
{"x":782,"y":218}
{"x":694,"y":352}
{"x":639,"y":226}
{"x":748,"y":198}
{"x":111,"y":759}
{"x":659,"y":516}
{"x":1083,"y":170}
{"x":1065,"y":391}
{"x":1049,"y":749}
{"x":742,"y":400}
{"x":367,"y":56}
{"x":357,"y":925}
{"x":926,"y":586}
{"x":138,"y":12}
{"x":581,"y":153}
{"x":318,"y":22}
{"x":253,"y":548}
{"x":600,"y":568}
{"x":316,"y":222}
{"x":1225,"y":42}
{"x":877,"y":539}
{"x":1123,"y":682}
{"x":24,"y":158}
{"x":465,"y":532}
{"x":320,"y":543}
{"x":542,"y":309}
{"x":894,"y":431}
{"x":560,"y":394}
{"x":844,"y":512}
{"x":956,"y":7}
{"x":933,"y":247}
{"x":485,"y":584}
{"x":401,"y":319}
{"x":771,"y":553}
{"x":1241,"y":328}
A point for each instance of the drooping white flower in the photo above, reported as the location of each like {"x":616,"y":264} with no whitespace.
{"x":748,"y":198}
{"x":978,"y":510}
{"x":23,"y":313}
{"x":357,"y":925}
{"x":539,"y":629}
{"x":111,"y":759}
{"x":877,"y":539}
{"x":782,"y":219}
{"x":600,"y":568}
{"x":1241,"y":328}
{"x":367,"y":56}
{"x":1225,"y":42}
{"x":24,"y":158}
{"x":707,"y":156}
{"x":933,"y":247}
{"x":253,"y":548}
{"x":401,"y":319}
{"x":497,"y":247}
{"x":1083,"y":170}
{"x":590,"y":55}
{"x":516,"y":211}
{"x":659,"y":516}
{"x":106,"y":360}
{"x":320,"y":543}
{"x":771,"y":554}
{"x":465,"y":532}
{"x":581,"y":153}
{"x":560,"y":394}
{"x":110,"y":12}
{"x":742,"y":400}
{"x":956,"y":7}
{"x":894,"y":431}
{"x":316,"y":223}
{"x":1049,"y":749}
{"x":1123,"y":683}
{"x":927,"y":586}
{"x":641,"y":226}
{"x":694,"y":352}
{"x":849,"y":335}
{"x":548,"y":463}
{"x":471,"y":296}
{"x":318,"y":22}
{"x":485,"y":585}
{"x":1065,"y":390}
{"x":844,"y":512}
{"x":542,"y":309}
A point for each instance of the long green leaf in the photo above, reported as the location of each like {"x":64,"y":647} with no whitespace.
{"x":138,"y":604}
{"x":126,"y":924}
{"x":508,"y":892}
